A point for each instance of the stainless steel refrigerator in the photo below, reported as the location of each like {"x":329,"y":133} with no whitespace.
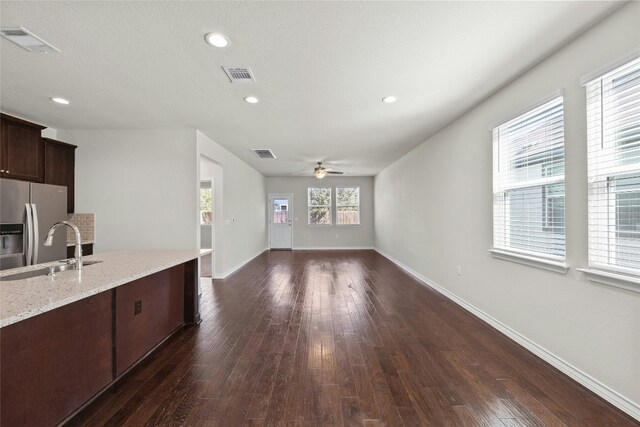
{"x":27,"y":211}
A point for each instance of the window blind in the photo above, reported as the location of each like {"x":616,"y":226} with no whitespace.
{"x":613,"y":133}
{"x":528,"y":182}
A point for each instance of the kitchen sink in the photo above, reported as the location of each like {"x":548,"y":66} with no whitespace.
{"x":47,"y":271}
{"x":25,"y":275}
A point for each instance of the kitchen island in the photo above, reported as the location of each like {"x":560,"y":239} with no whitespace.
{"x":64,"y":339}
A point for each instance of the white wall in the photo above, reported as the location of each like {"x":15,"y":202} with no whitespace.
{"x":318,"y":237}
{"x":434,"y":213}
{"x":244,"y":219}
{"x":51,"y":133}
{"x":139,"y":184}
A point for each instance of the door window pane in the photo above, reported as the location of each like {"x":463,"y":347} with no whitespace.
{"x":280,"y":211}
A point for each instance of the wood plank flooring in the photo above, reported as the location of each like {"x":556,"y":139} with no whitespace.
{"x":341,"y":338}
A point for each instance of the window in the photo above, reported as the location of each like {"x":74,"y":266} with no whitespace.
{"x":206,"y":204}
{"x":348,"y":205}
{"x":319,"y":204}
{"x":613,"y":130}
{"x":528,"y":183}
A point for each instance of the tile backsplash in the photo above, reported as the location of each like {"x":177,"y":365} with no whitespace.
{"x":86,"y":223}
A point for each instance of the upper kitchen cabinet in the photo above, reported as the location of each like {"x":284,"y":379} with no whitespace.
{"x":59,"y":167}
{"x":22,"y":149}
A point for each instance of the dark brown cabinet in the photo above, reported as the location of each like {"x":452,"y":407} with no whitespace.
{"x":59,"y":167}
{"x":53,"y":363}
{"x":147,"y":311}
{"x":25,"y":155}
{"x":22,"y":149}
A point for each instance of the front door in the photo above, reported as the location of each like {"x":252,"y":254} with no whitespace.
{"x":280,"y":229}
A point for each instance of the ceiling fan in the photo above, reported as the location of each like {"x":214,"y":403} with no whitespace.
{"x":320,"y":171}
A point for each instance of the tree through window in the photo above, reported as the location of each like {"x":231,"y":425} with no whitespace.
{"x":319,"y":206}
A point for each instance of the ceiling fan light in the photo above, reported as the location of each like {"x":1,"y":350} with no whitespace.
{"x":320,"y":173}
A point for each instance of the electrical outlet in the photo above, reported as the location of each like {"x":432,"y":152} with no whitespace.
{"x":137,"y":307}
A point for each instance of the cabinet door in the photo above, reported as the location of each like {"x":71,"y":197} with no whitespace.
{"x":22,"y":150}
{"x":53,"y":363}
{"x":59,"y":167}
{"x":147,"y":311}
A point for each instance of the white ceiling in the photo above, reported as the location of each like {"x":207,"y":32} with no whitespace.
{"x":321,"y":70}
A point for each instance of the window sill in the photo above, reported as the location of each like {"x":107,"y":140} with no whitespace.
{"x":348,"y":225}
{"x":545,"y":264}
{"x":617,"y":280}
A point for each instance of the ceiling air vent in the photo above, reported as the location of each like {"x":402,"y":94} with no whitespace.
{"x":239,"y":74}
{"x":263,"y":153}
{"x":26,"y":40}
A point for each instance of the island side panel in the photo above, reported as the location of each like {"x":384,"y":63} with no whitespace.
{"x":160,"y":299}
{"x":53,"y":363}
{"x":191,"y":289}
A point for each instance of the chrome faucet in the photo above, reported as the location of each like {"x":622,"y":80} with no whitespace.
{"x":78,"y":252}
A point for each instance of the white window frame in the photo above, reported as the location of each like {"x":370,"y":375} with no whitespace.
{"x":349,"y":206}
{"x":309,"y":206}
{"x":603,"y":256}
{"x":503,"y":249}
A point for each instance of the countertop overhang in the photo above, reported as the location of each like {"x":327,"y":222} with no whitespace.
{"x":22,"y":299}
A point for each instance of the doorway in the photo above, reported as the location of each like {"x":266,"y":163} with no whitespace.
{"x":280,"y":216}
{"x":207,"y":229}
{"x":211,"y":236}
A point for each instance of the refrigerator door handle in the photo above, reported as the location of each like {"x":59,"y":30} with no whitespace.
{"x":36,"y":237}
{"x":29,"y":251}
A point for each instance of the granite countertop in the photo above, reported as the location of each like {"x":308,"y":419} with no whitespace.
{"x":21,"y":299}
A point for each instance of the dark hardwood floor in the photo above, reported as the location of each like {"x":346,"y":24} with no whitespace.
{"x":341,"y":338}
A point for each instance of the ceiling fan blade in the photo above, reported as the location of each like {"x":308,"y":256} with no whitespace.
{"x":335,"y":172}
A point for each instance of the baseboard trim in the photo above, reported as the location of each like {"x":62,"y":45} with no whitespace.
{"x":333,"y":248}
{"x":621,"y":402}
{"x":238,"y":266}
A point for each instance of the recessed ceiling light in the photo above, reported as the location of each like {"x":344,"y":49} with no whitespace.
{"x":389,"y":99}
{"x":58,"y":100}
{"x":251,"y":99}
{"x":217,"y":40}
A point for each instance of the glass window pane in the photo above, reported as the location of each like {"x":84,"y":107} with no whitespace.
{"x":319,"y":205}
{"x":626,"y":194}
{"x":348,"y":205}
{"x":206,"y":206}
{"x":536,"y":219}
{"x":319,"y":215}
{"x":348,"y":215}
{"x":319,"y":196}
{"x":280,"y":211}
{"x":529,"y":172}
{"x":613,"y":129}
